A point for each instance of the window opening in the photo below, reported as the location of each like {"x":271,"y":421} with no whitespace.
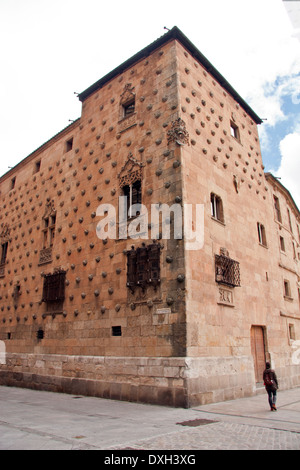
{"x":133,"y":192}
{"x":129,"y":108}
{"x":290,"y":220}
{"x":282,"y":244}
{"x":40,"y":334}
{"x":292,"y":331}
{"x":234,"y":130}
{"x":4,"y":249}
{"x":13,"y":183}
{"x":287,"y":288}
{"x":277,"y":209}
{"x":37,"y":166}
{"x":261,"y":234}
{"x":216,"y":207}
{"x":69,"y":145}
{"x":116,"y":331}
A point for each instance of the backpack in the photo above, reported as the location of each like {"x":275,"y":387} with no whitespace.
{"x":268,"y":381}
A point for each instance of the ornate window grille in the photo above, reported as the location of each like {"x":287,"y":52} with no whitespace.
{"x":143,"y":267}
{"x":227,"y":271}
{"x":54,"y":287}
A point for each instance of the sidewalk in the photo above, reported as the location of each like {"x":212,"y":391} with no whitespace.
{"x":36,"y":420}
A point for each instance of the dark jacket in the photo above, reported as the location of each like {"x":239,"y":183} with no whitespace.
{"x":272,"y":376}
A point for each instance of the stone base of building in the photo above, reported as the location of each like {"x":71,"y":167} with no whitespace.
{"x":177,"y":382}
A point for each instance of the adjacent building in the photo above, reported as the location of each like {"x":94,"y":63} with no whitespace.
{"x":103,"y":291}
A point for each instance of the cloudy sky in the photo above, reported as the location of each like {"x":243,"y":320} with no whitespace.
{"x":53,"y":48}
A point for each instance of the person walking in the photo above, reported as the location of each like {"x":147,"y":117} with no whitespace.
{"x":271,"y":384}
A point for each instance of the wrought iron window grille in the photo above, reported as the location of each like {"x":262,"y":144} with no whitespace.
{"x":54,"y":287}
{"x":143,"y":267}
{"x":227,"y":271}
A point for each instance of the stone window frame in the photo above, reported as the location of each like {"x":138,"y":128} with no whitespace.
{"x":282,"y":244}
{"x":127,"y":102}
{"x":216,"y":207}
{"x":287,"y":293}
{"x":277,"y":209}
{"x":235,"y":131}
{"x":143,"y":267}
{"x":262,"y":237}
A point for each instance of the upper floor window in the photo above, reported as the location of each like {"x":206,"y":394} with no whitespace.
{"x":261,"y":234}
{"x":129,"y":108}
{"x":127,"y":101}
{"x":287,"y":288}
{"x":216,"y":207}
{"x":282,"y":244}
{"x":69,"y":145}
{"x":234,"y":131}
{"x":4,"y":248}
{"x":133,"y":192}
{"x":13,"y":182}
{"x":277,"y":209}
{"x":37,"y":166}
{"x":290,"y":220}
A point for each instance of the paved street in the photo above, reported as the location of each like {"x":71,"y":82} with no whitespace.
{"x":36,"y":420}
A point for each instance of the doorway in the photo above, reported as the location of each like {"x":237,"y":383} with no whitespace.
{"x":258,"y":351}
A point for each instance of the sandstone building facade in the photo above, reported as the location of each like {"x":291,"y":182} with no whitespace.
{"x":146,"y":318}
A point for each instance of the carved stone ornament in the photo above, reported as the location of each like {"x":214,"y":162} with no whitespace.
{"x":45,"y":256}
{"x":127,"y":95}
{"x":4,"y":235}
{"x":178,"y":133}
{"x":131,"y":172}
{"x":49,"y":209}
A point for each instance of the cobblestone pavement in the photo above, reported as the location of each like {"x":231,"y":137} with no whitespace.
{"x":36,"y":420}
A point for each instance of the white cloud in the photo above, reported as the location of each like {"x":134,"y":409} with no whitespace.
{"x":289,"y":170}
{"x":53,"y":48}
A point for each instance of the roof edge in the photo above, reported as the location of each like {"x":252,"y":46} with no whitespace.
{"x":271,"y":177}
{"x":173,"y":34}
{"x":41,"y":148}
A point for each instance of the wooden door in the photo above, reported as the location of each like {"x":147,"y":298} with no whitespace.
{"x":258,"y":351}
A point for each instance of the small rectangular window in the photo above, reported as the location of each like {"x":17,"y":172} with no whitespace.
{"x":133,"y":192}
{"x":277,"y":209}
{"x":282,"y":244}
{"x":69,"y":145}
{"x":292,"y":331}
{"x":4,"y":248}
{"x":290,"y":220}
{"x":129,"y":108}
{"x":234,"y":131}
{"x":116,"y":331}
{"x":261,"y":234}
{"x":216,"y":207}
{"x":287,"y":288}
{"x":13,"y":182}
{"x":37,"y":167}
